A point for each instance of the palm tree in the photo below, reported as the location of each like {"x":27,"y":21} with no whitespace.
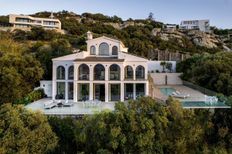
{"x":163,"y":63}
{"x":169,"y":66}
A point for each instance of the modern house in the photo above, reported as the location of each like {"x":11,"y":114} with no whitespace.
{"x":202,"y":25}
{"x":25,"y":22}
{"x":105,"y":72}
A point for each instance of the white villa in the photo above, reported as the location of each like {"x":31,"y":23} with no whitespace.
{"x":104,"y":72}
{"x":92,"y":81}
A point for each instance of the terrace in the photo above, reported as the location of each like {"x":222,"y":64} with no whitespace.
{"x":79,"y":108}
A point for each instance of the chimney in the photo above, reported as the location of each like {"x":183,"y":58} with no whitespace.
{"x":89,"y":35}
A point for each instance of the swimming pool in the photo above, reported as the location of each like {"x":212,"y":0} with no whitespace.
{"x":167,"y":91}
{"x":202,"y":104}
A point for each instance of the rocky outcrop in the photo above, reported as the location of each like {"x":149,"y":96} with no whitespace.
{"x":197,"y":37}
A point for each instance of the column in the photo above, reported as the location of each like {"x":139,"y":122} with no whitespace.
{"x":53,"y":82}
{"x":66,"y":90}
{"x":106,"y":73}
{"x":146,"y":89}
{"x":122,"y":73}
{"x":106,"y":92}
{"x":91,"y":72}
{"x":66,"y":82}
{"x":134,"y":91}
{"x":91,"y":89}
{"x":75,"y":91}
{"x":122,"y":92}
{"x":134,"y":73}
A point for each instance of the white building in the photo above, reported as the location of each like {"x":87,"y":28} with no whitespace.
{"x":26,"y":22}
{"x":202,"y":25}
{"x":104,"y":72}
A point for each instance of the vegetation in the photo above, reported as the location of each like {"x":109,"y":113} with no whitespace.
{"x":141,"y":126}
{"x":22,"y":131}
{"x":145,"y":126}
{"x":19,"y":71}
{"x":210,"y":71}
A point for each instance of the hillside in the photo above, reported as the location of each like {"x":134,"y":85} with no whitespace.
{"x":143,"y":37}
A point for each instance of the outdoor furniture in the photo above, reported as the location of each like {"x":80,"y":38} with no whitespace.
{"x":50,"y":104}
{"x":67,"y":104}
{"x":177,"y":94}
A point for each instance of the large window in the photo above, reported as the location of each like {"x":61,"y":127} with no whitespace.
{"x":128,"y":91}
{"x":115,"y":92}
{"x":140,"y":72}
{"x":92,"y":50}
{"x":70,"y":90}
{"x":104,"y":49}
{"x":70,"y":72}
{"x":128,"y":72}
{"x":114,"y":50}
{"x":60,"y":93}
{"x":114,"y":72}
{"x":83,"y":92}
{"x":99,"y":72}
{"x":140,"y":90}
{"x":60,"y":73}
{"x":83,"y":72}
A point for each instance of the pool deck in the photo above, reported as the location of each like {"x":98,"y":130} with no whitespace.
{"x":195,"y":96}
{"x":79,"y":108}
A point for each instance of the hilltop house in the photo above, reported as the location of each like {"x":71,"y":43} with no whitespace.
{"x":104,"y":72}
{"x":202,"y":25}
{"x":25,"y":22}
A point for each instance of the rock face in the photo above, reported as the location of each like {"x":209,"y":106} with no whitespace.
{"x":197,"y":37}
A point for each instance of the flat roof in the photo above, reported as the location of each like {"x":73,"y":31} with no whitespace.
{"x":101,"y":59}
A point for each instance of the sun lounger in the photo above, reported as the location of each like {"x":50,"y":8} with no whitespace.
{"x":177,"y":94}
{"x":50,"y":104}
{"x":67,"y":104}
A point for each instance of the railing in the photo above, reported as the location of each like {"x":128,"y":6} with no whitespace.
{"x":199,"y":88}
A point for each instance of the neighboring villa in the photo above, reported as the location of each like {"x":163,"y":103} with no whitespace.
{"x":202,"y":25}
{"x":104,"y":72}
{"x":25,"y":22}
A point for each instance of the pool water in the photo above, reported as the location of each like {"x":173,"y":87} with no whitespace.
{"x":203,"y":104}
{"x":167,"y":91}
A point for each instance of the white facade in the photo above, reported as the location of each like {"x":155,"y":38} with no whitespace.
{"x":47,"y":87}
{"x":202,"y":25}
{"x":104,"y":72}
{"x":26,"y":22}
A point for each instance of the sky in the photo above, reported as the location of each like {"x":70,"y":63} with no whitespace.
{"x":168,"y":11}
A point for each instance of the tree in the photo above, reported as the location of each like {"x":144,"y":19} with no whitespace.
{"x":169,"y":66}
{"x":212,"y":71}
{"x":151,"y":16}
{"x":19,"y":71}
{"x":64,"y":129}
{"x":163,"y":63}
{"x":22,"y":131}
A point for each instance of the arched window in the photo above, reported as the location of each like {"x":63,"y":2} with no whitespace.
{"x":99,"y":72}
{"x":83,"y":72}
{"x":60,"y":73}
{"x":114,"y":72}
{"x":140,"y":72}
{"x":70,"y":72}
{"x":129,"y":72}
{"x":114,"y":50}
{"x":92,"y":50}
{"x":104,"y":49}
